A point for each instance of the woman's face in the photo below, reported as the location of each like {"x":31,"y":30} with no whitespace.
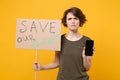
{"x":72,"y":21}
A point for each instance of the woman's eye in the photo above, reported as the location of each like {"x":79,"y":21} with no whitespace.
{"x":69,"y":18}
{"x":73,"y":18}
{"x":76,"y":18}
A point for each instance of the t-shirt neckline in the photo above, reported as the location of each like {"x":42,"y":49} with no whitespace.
{"x":75,"y":40}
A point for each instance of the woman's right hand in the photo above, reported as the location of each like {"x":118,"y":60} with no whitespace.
{"x":36,"y":66}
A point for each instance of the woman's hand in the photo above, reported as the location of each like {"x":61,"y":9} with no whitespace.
{"x":83,"y":52}
{"x":36,"y":66}
{"x":87,"y":60}
{"x":52,"y":65}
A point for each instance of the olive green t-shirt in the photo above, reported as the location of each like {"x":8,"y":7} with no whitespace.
{"x":71,"y":60}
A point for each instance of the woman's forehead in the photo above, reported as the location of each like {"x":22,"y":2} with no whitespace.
{"x":70,"y":15}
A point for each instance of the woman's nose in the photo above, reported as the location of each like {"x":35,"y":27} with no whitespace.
{"x":73,"y":21}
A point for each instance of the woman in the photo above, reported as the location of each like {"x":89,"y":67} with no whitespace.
{"x":71,"y":60}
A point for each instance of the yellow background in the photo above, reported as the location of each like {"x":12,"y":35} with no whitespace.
{"x":103,"y":26}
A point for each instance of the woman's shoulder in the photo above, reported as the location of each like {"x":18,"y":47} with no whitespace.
{"x":62,"y":35}
{"x":86,"y":37}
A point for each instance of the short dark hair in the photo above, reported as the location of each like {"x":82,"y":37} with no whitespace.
{"x":76,"y":12}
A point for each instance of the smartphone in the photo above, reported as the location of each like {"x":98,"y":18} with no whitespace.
{"x":89,"y":47}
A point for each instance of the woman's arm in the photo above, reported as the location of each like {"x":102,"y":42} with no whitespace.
{"x":51,"y":65}
{"x":87,"y":60}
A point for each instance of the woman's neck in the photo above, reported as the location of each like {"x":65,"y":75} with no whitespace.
{"x":73,"y":35}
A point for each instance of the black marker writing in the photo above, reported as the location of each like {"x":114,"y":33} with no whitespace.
{"x":25,"y":27}
{"x":33,"y":26}
{"x":25,"y":38}
{"x":51,"y":26}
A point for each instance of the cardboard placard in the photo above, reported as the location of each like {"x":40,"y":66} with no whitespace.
{"x":38,"y":34}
